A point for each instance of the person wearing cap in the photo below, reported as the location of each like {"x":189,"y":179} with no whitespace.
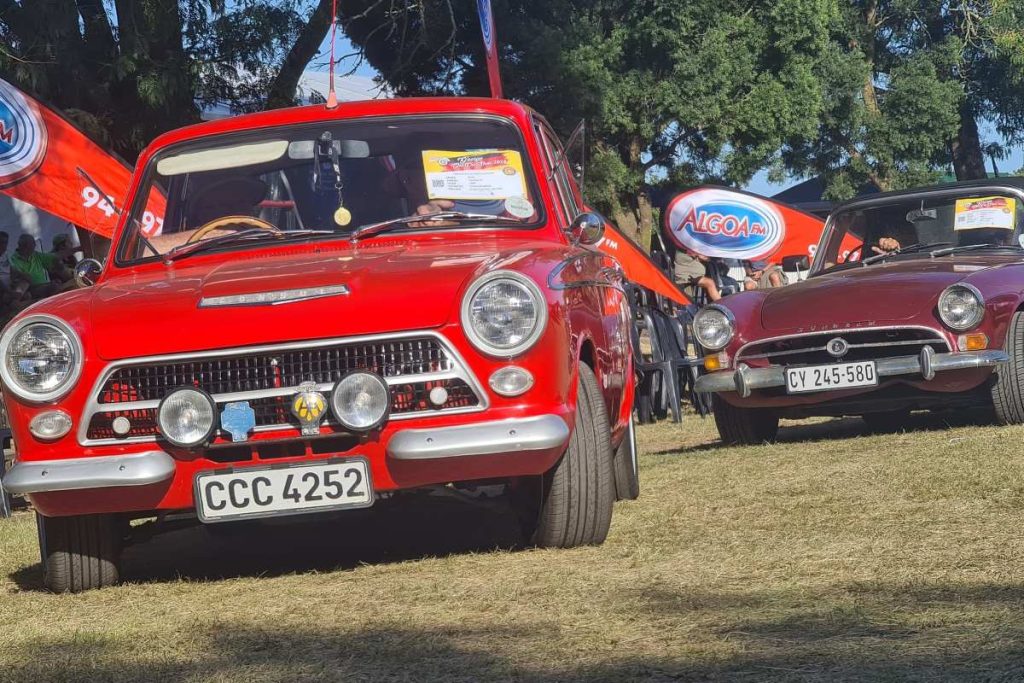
{"x":64,"y":250}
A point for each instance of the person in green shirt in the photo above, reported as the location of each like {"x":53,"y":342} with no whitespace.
{"x":39,"y":273}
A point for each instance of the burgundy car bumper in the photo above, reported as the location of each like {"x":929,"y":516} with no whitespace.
{"x":743,"y":380}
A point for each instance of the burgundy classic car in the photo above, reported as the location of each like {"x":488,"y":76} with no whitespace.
{"x":309,"y":310}
{"x":915,"y":301}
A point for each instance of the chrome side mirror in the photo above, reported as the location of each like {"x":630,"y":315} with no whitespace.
{"x":86,"y":272}
{"x":586,"y":229}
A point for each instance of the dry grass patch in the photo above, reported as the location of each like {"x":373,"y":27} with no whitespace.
{"x":833,"y":555}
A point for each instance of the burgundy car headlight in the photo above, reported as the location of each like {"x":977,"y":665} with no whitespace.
{"x":714,"y":327}
{"x":961,"y":307}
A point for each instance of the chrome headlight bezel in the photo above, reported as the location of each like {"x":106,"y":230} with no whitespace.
{"x":338,"y":411}
{"x":207,"y":435}
{"x":69,"y":382}
{"x":730,"y":323}
{"x":539,"y":324}
{"x":978,"y":313}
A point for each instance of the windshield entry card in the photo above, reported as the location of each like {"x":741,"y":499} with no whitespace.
{"x":985,"y":212}
{"x":488,"y":174}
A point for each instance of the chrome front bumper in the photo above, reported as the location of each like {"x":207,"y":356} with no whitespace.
{"x":139,"y":469}
{"x":744,"y":379}
{"x":481,"y":438}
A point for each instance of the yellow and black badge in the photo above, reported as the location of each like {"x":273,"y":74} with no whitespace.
{"x":310,"y":408}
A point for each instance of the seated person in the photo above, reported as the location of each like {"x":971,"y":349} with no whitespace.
{"x":762,"y":275}
{"x":38,"y":273}
{"x":689,"y":271}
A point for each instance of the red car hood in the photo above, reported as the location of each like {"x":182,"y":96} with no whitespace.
{"x":891,"y":291}
{"x":391,"y":288}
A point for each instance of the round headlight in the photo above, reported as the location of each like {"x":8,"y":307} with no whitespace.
{"x":187,"y":417}
{"x":961,"y":307}
{"x":361,"y":401}
{"x":713,"y":327}
{"x":40,"y":358}
{"x":504,"y":314}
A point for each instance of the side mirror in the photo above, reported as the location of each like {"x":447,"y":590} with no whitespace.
{"x":796,"y":264}
{"x":586,"y":229}
{"x":86,"y":272}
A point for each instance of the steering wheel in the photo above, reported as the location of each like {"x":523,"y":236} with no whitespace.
{"x":223,"y":223}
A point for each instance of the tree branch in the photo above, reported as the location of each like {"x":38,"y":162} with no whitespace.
{"x":281,"y":92}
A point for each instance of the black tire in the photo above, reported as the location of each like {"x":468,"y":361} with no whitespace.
{"x":888,"y":422}
{"x":744,"y":426}
{"x":577,"y":495}
{"x":627,"y":466}
{"x":79,"y":553}
{"x":1008,"y":390}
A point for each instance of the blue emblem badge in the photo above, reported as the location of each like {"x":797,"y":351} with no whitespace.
{"x":238,"y":419}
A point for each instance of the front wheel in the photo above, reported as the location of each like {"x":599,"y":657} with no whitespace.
{"x":571,"y":505}
{"x":744,"y":426}
{"x":1008,"y":390}
{"x":79,"y":553}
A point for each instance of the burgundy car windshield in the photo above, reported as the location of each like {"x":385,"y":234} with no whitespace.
{"x":334,"y":179}
{"x":918,"y":227}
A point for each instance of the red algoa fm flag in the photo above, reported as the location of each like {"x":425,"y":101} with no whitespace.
{"x":490,"y":45}
{"x":40,"y":157}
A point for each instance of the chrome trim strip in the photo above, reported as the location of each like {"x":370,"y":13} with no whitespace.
{"x":939,"y":337}
{"x":745,"y":379}
{"x":280,"y":297}
{"x":484,"y":438}
{"x":460,"y":371}
{"x":812,"y":349}
{"x":138,"y":469}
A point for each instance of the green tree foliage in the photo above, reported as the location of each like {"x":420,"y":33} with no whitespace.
{"x":672,"y":89}
{"x":128,"y":70}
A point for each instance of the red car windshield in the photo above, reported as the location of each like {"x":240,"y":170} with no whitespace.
{"x":943,"y":223}
{"x":333,"y":179}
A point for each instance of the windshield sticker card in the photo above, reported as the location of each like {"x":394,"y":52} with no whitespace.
{"x":478,"y":174}
{"x":985,"y":212}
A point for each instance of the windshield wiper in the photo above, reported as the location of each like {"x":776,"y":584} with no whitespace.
{"x":970,"y":247}
{"x":249,"y":235}
{"x":384,"y":226}
{"x":902,"y":250}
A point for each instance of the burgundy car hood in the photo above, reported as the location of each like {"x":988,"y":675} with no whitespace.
{"x":391,"y":288}
{"x":890,"y":292}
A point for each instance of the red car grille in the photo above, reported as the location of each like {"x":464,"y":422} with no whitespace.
{"x":414,"y":365}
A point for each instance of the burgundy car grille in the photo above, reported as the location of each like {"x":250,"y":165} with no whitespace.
{"x":870,"y":344}
{"x":414,"y":365}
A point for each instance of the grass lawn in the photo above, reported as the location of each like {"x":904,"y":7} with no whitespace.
{"x":833,"y":555}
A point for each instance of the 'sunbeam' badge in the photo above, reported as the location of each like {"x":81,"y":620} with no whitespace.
{"x":310,"y":408}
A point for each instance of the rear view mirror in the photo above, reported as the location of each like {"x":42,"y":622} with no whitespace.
{"x":796,"y":264}
{"x":346,"y":149}
{"x":86,"y":272}
{"x":587,"y":229}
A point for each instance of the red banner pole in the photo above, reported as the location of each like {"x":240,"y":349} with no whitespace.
{"x":490,"y":46}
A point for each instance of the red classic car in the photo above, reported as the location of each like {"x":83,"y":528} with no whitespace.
{"x":915,"y":301}
{"x":308,"y":310}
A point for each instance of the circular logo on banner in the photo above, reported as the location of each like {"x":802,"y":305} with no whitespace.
{"x":486,"y":22}
{"x":725,"y":224}
{"x":22,"y":136}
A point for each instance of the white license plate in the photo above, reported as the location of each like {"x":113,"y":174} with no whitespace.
{"x":831,"y":377}
{"x":290,"y":490}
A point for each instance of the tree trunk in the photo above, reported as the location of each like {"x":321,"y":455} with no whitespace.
{"x":968,"y":159}
{"x":282,"y":91}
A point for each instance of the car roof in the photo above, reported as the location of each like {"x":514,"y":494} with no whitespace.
{"x":345,"y":110}
{"x":995,"y":184}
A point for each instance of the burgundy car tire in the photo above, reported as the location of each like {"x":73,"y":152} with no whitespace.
{"x":79,"y":553}
{"x":744,"y":426}
{"x":1008,"y":390}
{"x":627,"y":466}
{"x":578,"y":493}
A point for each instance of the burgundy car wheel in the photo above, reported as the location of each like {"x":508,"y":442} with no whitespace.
{"x":744,"y":426}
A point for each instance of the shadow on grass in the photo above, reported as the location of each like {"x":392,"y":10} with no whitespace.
{"x":416,"y":527}
{"x":808,"y":644}
{"x":851,"y":427}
